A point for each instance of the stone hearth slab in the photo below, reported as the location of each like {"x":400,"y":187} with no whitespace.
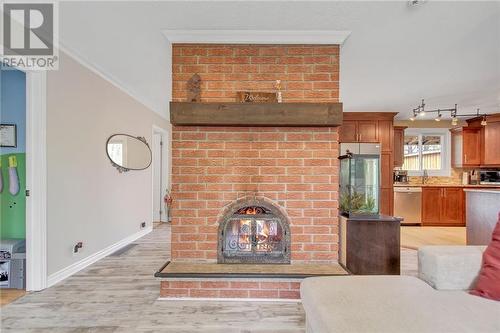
{"x":214,"y":270}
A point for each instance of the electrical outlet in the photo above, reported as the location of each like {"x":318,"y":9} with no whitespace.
{"x":143,"y":225}
{"x":77,"y":247}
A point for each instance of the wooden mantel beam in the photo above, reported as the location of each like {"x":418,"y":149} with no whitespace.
{"x":256,"y":114}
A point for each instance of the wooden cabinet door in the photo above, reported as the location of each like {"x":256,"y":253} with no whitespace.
{"x":385,"y":135}
{"x":471,"y":145}
{"x":431,"y":205}
{"x":386,"y":170}
{"x":399,"y":138}
{"x":349,"y":131}
{"x":386,"y":201}
{"x":452,"y":206}
{"x":491,"y":147}
{"x":367,"y":131}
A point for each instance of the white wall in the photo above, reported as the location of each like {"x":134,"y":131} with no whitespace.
{"x":88,"y":200}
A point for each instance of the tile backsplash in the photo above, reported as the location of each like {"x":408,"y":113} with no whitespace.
{"x":454,"y":179}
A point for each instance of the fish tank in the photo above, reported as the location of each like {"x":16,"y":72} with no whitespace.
{"x":359,"y":179}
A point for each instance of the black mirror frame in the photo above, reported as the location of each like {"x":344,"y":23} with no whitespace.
{"x":120,"y":168}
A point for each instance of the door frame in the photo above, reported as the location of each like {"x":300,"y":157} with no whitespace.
{"x":165,"y":165}
{"x":36,"y":180}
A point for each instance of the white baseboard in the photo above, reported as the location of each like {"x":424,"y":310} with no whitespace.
{"x":81,"y":264}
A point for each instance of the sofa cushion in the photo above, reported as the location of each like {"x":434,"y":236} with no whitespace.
{"x":392,"y":304}
{"x":450,"y":267}
{"x":488,"y":282}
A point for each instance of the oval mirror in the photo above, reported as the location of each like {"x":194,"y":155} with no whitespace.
{"x":128,"y":152}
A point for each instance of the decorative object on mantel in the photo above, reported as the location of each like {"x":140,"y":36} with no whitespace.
{"x":127,"y":152}
{"x":194,"y":89}
{"x":256,"y":114}
{"x":421,"y":111}
{"x":278,"y":92}
{"x":255,"y":97}
{"x":8,"y":135}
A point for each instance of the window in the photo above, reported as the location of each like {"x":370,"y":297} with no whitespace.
{"x":115,"y":151}
{"x":427,"y":149}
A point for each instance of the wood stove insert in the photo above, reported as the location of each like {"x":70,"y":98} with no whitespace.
{"x":254,"y":233}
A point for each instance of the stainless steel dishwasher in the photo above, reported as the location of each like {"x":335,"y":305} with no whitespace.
{"x":408,"y":204}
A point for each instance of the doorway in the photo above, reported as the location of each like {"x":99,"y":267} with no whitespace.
{"x":31,"y":173}
{"x":13,"y":157}
{"x":160,"y":174}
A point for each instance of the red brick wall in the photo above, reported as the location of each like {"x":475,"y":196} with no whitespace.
{"x":309,"y":73}
{"x":230,"y":289}
{"x":297,"y":168}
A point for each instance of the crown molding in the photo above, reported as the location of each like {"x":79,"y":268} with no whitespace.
{"x":257,"y":36}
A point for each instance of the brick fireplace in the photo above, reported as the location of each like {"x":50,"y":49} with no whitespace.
{"x":289,"y":173}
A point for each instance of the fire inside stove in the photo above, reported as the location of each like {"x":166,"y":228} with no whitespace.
{"x":254,"y":235}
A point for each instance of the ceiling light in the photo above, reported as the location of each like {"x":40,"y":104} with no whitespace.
{"x":421,"y":113}
{"x":412,"y":118}
{"x":438,"y":118}
{"x":454,"y":121}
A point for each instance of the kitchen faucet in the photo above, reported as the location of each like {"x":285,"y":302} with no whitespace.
{"x":425,"y":177}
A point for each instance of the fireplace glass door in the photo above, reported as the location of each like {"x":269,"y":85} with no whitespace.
{"x":255,"y":237}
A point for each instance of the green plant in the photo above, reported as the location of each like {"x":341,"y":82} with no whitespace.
{"x":354,"y":201}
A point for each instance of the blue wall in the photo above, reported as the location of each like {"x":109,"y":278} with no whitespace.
{"x":13,"y":111}
{"x":13,"y":106}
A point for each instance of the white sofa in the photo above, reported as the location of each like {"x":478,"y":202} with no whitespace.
{"x":435,"y":302}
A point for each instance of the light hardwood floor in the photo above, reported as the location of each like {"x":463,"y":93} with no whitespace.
{"x":415,"y":237}
{"x":119,"y":294}
{"x":10,"y":295}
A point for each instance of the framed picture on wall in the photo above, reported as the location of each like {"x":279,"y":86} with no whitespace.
{"x":8,"y":135}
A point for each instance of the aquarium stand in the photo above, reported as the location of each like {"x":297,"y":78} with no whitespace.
{"x":370,"y":245}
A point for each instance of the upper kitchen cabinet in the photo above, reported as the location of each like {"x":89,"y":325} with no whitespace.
{"x":369,"y":127}
{"x":488,"y":145}
{"x":359,"y":131}
{"x":491,"y":151}
{"x":399,"y":142}
{"x":466,"y":147}
{"x":368,"y":131}
{"x":349,"y":131}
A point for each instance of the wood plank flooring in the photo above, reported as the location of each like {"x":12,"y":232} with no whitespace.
{"x":10,"y":295}
{"x":119,"y":294}
{"x":415,"y":237}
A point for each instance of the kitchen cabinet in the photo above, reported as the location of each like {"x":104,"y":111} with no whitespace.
{"x":359,"y":131}
{"x":431,"y":205}
{"x":386,"y":135}
{"x":443,"y":206}
{"x":349,"y":131}
{"x":386,"y":201}
{"x":488,"y":146}
{"x":491,"y":144}
{"x":399,"y":142}
{"x":465,"y":147}
{"x":368,"y":131}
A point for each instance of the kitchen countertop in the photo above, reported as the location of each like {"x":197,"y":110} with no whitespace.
{"x":485,"y":190}
{"x":447,"y":185}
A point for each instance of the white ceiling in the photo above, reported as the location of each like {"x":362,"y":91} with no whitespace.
{"x":445,"y":52}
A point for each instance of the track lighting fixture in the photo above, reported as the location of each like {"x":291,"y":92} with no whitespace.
{"x":420,"y":111}
{"x":483,"y":122}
